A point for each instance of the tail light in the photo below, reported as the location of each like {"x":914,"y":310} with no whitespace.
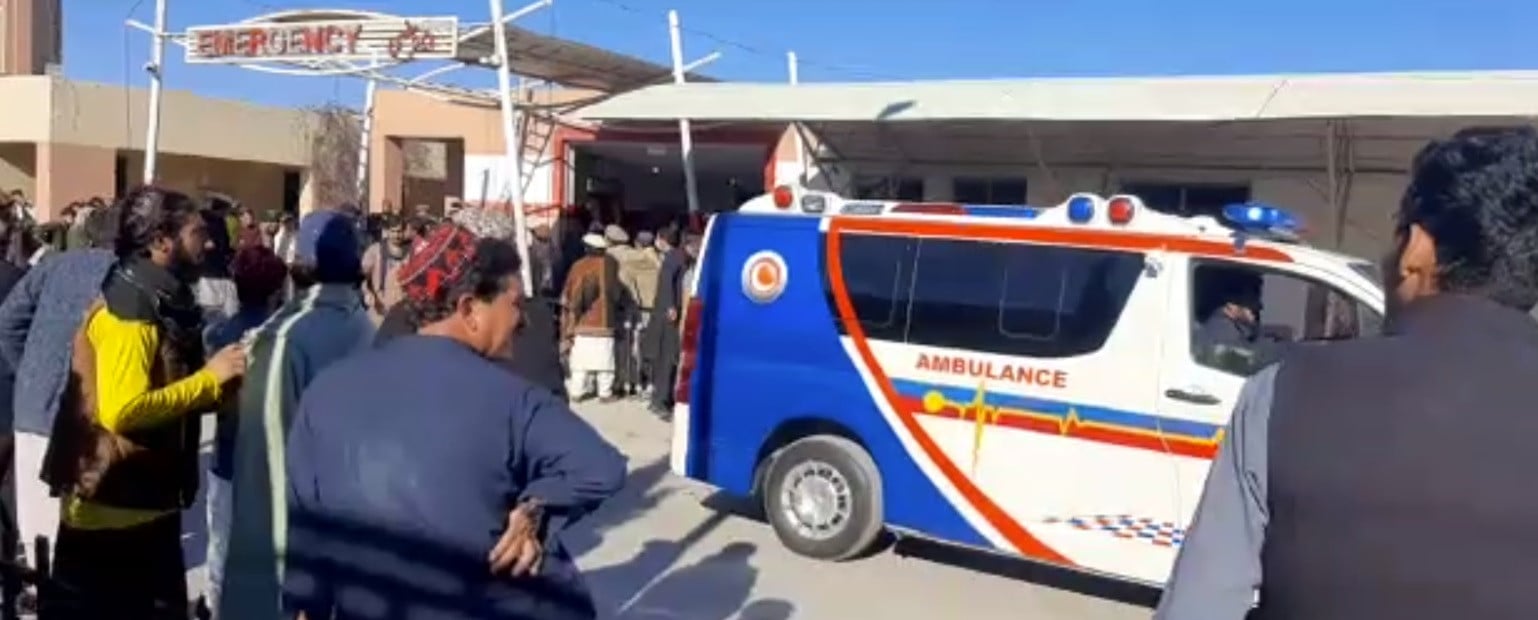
{"x":688,"y":350}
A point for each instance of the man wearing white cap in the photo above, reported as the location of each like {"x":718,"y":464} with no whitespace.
{"x":594,"y":304}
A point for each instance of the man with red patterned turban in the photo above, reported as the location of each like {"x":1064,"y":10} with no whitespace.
{"x":415,"y":465}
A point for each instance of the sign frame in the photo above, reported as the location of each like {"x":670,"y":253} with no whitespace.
{"x":294,"y":38}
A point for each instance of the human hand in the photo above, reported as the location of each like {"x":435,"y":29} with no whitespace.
{"x":518,"y":552}
{"x":672,"y":314}
{"x":228,"y":363}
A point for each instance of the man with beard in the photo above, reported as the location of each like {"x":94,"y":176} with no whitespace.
{"x":123,"y":456}
{"x":426,"y":481}
{"x":1389,"y":477}
{"x":381,"y":289}
{"x":325,"y":322}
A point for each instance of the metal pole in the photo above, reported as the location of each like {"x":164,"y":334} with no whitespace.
{"x":365,"y":144}
{"x":795,"y":78}
{"x":156,"y":70}
{"x":685,"y":138}
{"x":513,"y":141}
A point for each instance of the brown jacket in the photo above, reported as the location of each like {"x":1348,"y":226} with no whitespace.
{"x":150,"y":469}
{"x":594,"y":297}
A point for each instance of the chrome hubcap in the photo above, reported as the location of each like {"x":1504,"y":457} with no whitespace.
{"x":816,"y":500}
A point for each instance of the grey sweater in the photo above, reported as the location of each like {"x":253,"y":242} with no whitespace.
{"x":38,"y":321}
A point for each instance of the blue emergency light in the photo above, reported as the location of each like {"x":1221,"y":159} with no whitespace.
{"x":1081,"y":209}
{"x":1261,"y":219}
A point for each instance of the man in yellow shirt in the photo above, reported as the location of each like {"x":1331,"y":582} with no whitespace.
{"x":123,"y":456}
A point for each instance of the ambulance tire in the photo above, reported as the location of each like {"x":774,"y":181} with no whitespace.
{"x":837,"y":465}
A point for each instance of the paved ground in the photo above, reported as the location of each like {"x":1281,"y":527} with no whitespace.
{"x":657,"y":553}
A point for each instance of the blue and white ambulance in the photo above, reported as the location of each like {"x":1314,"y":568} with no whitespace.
{"x":1026,"y":380}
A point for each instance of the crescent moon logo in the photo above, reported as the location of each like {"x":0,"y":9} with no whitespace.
{"x":764,"y":277}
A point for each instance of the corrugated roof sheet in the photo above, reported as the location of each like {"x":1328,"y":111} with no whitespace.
{"x":1227,"y":98}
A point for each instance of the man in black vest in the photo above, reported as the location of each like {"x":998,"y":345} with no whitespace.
{"x":1391,"y":477}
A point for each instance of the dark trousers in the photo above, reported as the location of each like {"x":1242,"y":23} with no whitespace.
{"x":625,"y":371}
{"x":662,"y":382}
{"x":126,"y":574}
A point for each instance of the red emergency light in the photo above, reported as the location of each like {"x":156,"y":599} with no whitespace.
{"x":1120,"y":210}
{"x":783,"y":197}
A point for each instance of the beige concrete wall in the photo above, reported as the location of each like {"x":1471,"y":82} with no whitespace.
{"x":69,"y":173}
{"x":402,"y":114}
{"x":18,"y":167}
{"x":255,"y":185}
{"x":113,"y":117}
{"x":24,"y":114}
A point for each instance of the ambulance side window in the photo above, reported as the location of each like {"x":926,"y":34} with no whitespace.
{"x":1015,"y":299}
{"x":1229,"y":298}
{"x":877,"y":273}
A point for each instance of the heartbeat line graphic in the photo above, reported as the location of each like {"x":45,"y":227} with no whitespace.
{"x":1068,"y":424}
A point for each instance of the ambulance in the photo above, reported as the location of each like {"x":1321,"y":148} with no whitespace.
{"x":1023,"y":380}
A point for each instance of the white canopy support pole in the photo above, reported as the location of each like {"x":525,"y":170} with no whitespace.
{"x":795,"y":78}
{"x":512,"y":138}
{"x":1332,"y":175}
{"x":685,"y":137}
{"x":156,"y":70}
{"x":365,"y":144}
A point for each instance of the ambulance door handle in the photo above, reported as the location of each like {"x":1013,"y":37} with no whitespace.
{"x":1195,"y":396}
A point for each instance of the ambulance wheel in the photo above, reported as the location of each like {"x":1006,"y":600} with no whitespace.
{"x":822,"y":495}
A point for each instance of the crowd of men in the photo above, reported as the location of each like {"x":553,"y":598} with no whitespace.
{"x":351,"y":365}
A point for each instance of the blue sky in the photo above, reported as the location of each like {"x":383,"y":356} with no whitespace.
{"x":840,"y":40}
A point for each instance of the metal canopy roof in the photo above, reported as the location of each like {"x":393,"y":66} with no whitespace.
{"x":564,"y":62}
{"x":1504,"y":94}
{"x":1274,"y":122}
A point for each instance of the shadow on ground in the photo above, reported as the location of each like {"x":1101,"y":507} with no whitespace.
{"x":642,"y":493}
{"x":1032,"y":572}
{"x":977,"y":560}
{"x":651,"y":586}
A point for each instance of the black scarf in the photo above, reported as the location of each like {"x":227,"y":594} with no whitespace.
{"x":137,"y":289}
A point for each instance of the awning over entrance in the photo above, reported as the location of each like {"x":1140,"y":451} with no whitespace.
{"x":1508,"y":94}
{"x":1243,"y":121}
{"x":564,"y":62}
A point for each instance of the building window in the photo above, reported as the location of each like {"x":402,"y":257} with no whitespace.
{"x":1009,"y":299}
{"x":874,"y":187}
{"x":984,"y":191}
{"x":1188,"y":199}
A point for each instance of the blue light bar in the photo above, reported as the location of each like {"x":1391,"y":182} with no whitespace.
{"x":1081,"y":209}
{"x":1007,"y":211}
{"x":1254,"y":217}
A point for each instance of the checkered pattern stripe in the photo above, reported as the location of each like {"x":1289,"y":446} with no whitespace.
{"x":1163,"y":534}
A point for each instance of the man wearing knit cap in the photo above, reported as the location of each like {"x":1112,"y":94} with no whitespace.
{"x":429,"y":479}
{"x":324,"y":322}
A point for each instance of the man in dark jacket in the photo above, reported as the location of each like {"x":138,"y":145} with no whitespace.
{"x":1389,"y":477}
{"x":661,"y":341}
{"x":374,"y":531}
